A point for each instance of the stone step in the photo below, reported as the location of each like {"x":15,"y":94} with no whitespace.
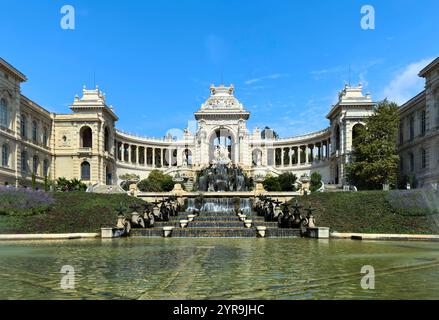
{"x":216,"y":233}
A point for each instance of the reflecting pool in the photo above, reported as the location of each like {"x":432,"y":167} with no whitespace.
{"x":141,"y":268}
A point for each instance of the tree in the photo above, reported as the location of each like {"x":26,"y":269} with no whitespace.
{"x":271,"y":183}
{"x":375,"y":155}
{"x":287,"y":181}
{"x":316,"y":181}
{"x":157,"y":181}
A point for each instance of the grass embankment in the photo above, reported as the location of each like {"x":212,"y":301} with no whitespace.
{"x":70,"y":212}
{"x":411,"y":212}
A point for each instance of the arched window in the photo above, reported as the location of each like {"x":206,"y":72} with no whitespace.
{"x":86,"y":137}
{"x":5,"y":155}
{"x":85,"y":171}
{"x":35,"y":165}
{"x":34,"y":131}
{"x":106,"y":140}
{"x":23,"y":126}
{"x":412,"y":162}
{"x":23,"y":159}
{"x":3,"y":113}
{"x":45,"y":167}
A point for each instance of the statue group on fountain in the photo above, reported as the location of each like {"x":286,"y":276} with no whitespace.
{"x":221,"y":177}
{"x":274,"y":210}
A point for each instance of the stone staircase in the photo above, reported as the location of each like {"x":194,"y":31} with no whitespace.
{"x":216,"y":225}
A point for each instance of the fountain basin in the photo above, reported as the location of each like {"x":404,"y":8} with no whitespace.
{"x":260,"y":231}
{"x":191,"y":217}
{"x":167,"y":232}
{"x":184,"y":223}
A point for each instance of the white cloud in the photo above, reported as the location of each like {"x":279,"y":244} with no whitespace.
{"x":406,"y":84}
{"x":269,"y":77}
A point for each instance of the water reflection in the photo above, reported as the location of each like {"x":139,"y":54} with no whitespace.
{"x":219,"y":269}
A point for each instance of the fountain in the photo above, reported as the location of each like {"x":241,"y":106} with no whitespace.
{"x":221,"y":177}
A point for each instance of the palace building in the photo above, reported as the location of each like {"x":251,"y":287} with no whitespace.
{"x":85,"y":144}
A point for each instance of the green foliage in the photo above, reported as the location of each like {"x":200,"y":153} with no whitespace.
{"x":287,"y":181}
{"x":271,"y":183}
{"x":283,"y":182}
{"x":375,"y":154}
{"x":157,"y":181}
{"x":65,"y":185}
{"x":71,"y":212}
{"x":129,"y":176}
{"x":374,"y":211}
{"x":316,"y":181}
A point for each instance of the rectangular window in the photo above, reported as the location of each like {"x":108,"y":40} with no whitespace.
{"x":424,"y":158}
{"x":401,"y":133}
{"x":412,"y":128}
{"x":423,"y":123}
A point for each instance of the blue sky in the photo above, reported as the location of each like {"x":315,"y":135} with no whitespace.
{"x":155,"y":60}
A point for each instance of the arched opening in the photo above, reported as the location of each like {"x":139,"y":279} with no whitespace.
{"x":86,"y":137}
{"x":356,"y":130}
{"x":257,"y":157}
{"x":106,"y":140}
{"x":85,"y":171}
{"x":3,"y":113}
{"x":221,"y":146}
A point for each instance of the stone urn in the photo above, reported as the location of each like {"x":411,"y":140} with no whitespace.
{"x":184,"y":223}
{"x":248,"y":223}
{"x":191,"y":217}
{"x":260,"y":231}
{"x":243,"y":217}
{"x":167,"y":232}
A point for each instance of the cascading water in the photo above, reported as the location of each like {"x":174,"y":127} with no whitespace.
{"x":224,"y":205}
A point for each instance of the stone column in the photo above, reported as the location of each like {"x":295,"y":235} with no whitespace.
{"x":153,"y":157}
{"x":299,"y":151}
{"x":306,"y":154}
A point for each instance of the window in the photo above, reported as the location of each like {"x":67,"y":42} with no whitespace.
{"x":423,"y":123}
{"x":401,"y":165}
{"x":23,"y":161}
{"x":401,"y":133}
{"x":45,"y":168}
{"x":3,"y":113}
{"x":86,"y":137}
{"x":23,"y":126}
{"x":5,"y":155}
{"x":412,"y":128}
{"x":35,"y":165}
{"x":106,"y":140}
{"x":45,"y":137}
{"x":412,"y":162}
{"x":423,"y":158}
{"x":34,"y":131}
{"x":85,"y":171}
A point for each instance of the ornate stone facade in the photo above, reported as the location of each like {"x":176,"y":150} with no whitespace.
{"x":86,"y":145}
